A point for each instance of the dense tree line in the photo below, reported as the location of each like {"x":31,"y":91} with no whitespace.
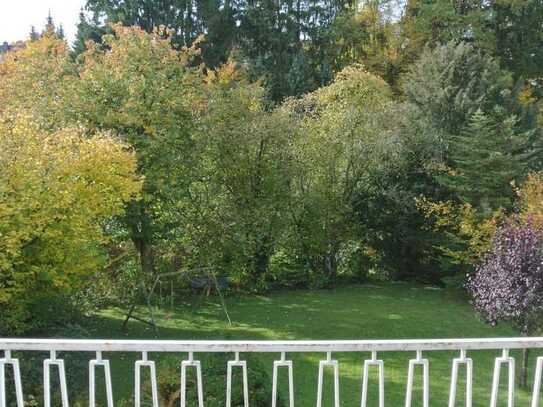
{"x":270,"y":35}
{"x":298,"y":45}
{"x":294,"y":144}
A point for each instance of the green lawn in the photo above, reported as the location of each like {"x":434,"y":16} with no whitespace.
{"x":354,"y":312}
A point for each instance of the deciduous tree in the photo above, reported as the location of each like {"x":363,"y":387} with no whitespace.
{"x":145,"y":92}
{"x":508,"y":284}
{"x":57,"y":190}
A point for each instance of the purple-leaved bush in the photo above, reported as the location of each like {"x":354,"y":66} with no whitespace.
{"x":508,"y":284}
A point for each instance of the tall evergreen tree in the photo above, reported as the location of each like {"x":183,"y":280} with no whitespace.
{"x":487,"y":157}
{"x":34,"y":35}
{"x":449,"y":83}
{"x":50,"y":28}
{"x":511,"y":31}
{"x":60,"y":32}
{"x":479,"y":127}
{"x":87,"y":31}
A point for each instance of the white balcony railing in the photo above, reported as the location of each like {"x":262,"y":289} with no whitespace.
{"x":463,"y":346}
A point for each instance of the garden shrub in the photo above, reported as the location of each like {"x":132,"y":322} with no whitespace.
{"x":508,"y":284}
{"x":286,"y":270}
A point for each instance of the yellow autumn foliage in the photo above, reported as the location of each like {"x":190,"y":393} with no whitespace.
{"x":467,"y":236}
{"x":35,"y":79}
{"x":530,"y":199}
{"x":57,"y":190}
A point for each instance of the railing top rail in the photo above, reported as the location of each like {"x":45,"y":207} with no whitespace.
{"x":106,"y":345}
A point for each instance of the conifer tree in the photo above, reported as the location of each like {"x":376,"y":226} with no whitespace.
{"x":49,"y":25}
{"x":87,"y":31}
{"x":34,"y":35}
{"x":486,"y":161}
{"x":60,"y":32}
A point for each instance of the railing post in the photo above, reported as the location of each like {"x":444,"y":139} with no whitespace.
{"x":92,"y":383}
{"x":335,"y":365}
{"x":47,"y":363}
{"x":288,"y":364}
{"x":425,"y":380}
{"x":537,"y":382}
{"x":199,"y":384}
{"x":505,"y":358}
{"x":8,"y":360}
{"x":2,"y":383}
{"x":230,"y":365}
{"x":137,"y":387}
{"x":365,"y":377}
{"x":462,"y":360}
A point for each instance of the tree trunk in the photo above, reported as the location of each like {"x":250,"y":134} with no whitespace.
{"x":259,"y":261}
{"x":139,"y":225}
{"x":147,"y":261}
{"x":330,"y":265}
{"x":330,"y":262}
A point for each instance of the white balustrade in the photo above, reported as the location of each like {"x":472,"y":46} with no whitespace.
{"x":199,"y":383}
{"x":276,"y":365}
{"x":510,"y":362}
{"x":335,"y":366}
{"x":230,"y":365}
{"x":365,"y":378}
{"x":145,"y":362}
{"x":53,"y":346}
{"x":425,"y":380}
{"x":92,"y":382}
{"x":47,"y":363}
{"x":462,"y":360}
{"x":14,"y":363}
{"x":537,"y":382}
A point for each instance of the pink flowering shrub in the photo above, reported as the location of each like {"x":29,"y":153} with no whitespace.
{"x":508,"y":284}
